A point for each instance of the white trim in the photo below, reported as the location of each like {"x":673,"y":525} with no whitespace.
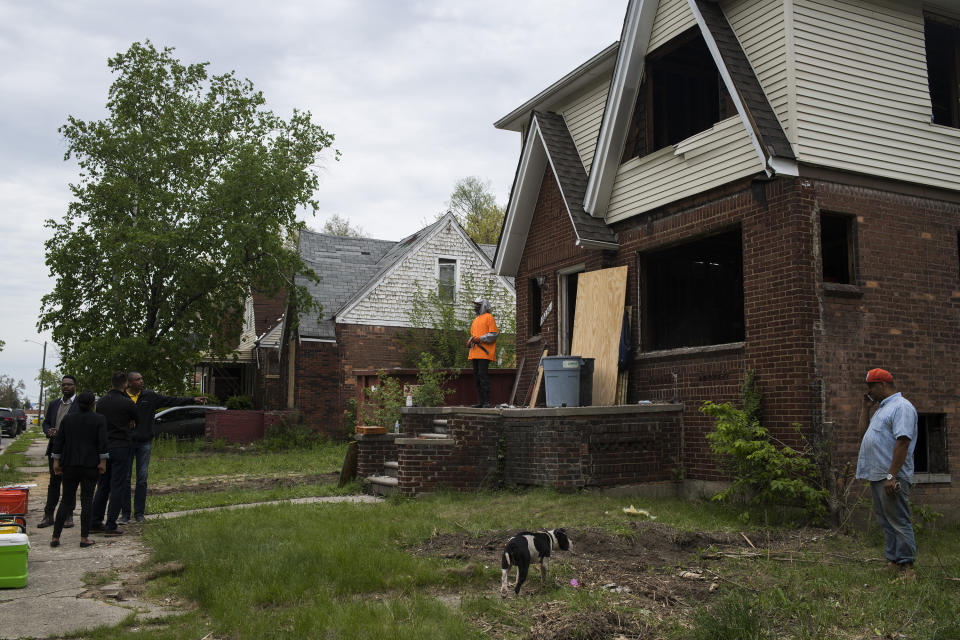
{"x":377,"y":323}
{"x":533,"y":160}
{"x":731,"y":88}
{"x":456,"y":272}
{"x":627,"y":75}
{"x":596,"y":244}
{"x":302,"y":339}
{"x":784,"y":166}
{"x":583,"y":75}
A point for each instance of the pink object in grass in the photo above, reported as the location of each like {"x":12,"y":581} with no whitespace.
{"x":574,"y":583}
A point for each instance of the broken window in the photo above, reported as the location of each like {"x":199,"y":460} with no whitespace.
{"x":943,"y":70}
{"x":930,"y":452}
{"x":535,"y":304}
{"x":837,"y":248}
{"x":681,"y":94}
{"x":446,"y":278}
{"x":567,"y":295}
{"x":692,"y":294}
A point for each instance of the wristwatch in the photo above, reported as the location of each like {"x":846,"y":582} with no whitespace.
{"x":889,"y":476}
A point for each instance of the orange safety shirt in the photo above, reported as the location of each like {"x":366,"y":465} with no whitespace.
{"x":482,"y":325}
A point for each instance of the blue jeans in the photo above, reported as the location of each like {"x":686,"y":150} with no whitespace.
{"x":111,"y":488}
{"x":139,"y":453}
{"x":893,"y":516}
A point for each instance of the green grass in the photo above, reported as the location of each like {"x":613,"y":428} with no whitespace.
{"x":186,"y":500}
{"x":13,"y":457}
{"x":173,"y":461}
{"x":345,"y":571}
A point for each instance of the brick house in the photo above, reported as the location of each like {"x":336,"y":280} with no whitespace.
{"x":366,"y":287}
{"x":781,"y":179}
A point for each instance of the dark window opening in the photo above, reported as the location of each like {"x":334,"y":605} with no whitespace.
{"x":568,"y":308}
{"x":681,"y":94}
{"x":536,"y":305}
{"x":693,"y":294}
{"x":446,"y":278}
{"x":943,"y":71}
{"x":930,"y":452}
{"x":836,"y":248}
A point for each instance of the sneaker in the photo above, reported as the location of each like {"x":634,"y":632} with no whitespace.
{"x":113,"y":532}
{"x":46,"y":522}
{"x":123,"y":520}
{"x":140,"y":518}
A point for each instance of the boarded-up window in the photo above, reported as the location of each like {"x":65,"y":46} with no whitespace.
{"x":837,"y":248}
{"x":943,"y":70}
{"x":446,"y":278}
{"x":692,"y":294}
{"x":930,"y":452}
{"x":535,"y":305}
{"x":681,"y":95}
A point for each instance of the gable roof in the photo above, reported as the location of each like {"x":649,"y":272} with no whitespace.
{"x":349,"y":268}
{"x":548,"y":142}
{"x":762,"y":125}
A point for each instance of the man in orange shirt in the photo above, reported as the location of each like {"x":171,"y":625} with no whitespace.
{"x":483,"y":348}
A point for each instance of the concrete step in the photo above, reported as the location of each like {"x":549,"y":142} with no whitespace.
{"x":391,"y":468}
{"x":433,"y":436}
{"x":382,"y":485}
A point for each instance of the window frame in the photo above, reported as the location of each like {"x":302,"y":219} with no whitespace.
{"x":442,"y":261}
{"x":951,"y":67}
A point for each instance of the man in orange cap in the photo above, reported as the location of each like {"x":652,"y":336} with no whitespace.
{"x":886,"y":461}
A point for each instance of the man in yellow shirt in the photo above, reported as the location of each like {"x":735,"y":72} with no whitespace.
{"x":483,"y":348}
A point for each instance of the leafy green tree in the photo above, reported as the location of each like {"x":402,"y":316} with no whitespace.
{"x":11,"y":392}
{"x":475,"y":208}
{"x":187,"y":200}
{"x":50,"y":381}
{"x":2,"y":345}
{"x":338,"y":226}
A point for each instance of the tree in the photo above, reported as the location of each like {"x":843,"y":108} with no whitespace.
{"x":186,"y":202}
{"x":337,"y":226}
{"x":476,"y":209}
{"x":50,"y":382}
{"x":11,"y":392}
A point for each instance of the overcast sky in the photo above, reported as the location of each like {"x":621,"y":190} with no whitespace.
{"x":409,"y":89}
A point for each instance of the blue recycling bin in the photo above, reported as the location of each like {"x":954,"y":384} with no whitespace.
{"x":568,"y":381}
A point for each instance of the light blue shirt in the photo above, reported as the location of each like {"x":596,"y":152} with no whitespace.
{"x":894,"y":418}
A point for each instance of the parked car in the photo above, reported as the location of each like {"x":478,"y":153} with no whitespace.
{"x":21,"y":416}
{"x":8,"y":422}
{"x":183,"y":422}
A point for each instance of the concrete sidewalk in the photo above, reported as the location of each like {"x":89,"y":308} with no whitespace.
{"x":56,"y":602}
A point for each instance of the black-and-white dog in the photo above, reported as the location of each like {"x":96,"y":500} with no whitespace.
{"x":527,"y":547}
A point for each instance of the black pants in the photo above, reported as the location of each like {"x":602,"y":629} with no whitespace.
{"x":112,"y":485}
{"x":481,"y":379}
{"x":53,"y":491}
{"x":86,"y":479}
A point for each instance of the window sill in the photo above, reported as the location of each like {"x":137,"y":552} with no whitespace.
{"x":838,"y":290}
{"x":534,"y":339}
{"x":931,"y":478}
{"x":730,"y":347}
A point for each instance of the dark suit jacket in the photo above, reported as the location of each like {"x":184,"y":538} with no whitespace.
{"x":81,"y":439}
{"x":121,"y":415}
{"x":147,"y":405}
{"x":50,"y":418}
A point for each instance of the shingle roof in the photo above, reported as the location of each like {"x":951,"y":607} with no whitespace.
{"x":571,"y":176}
{"x":344,"y":265}
{"x":766,"y":124}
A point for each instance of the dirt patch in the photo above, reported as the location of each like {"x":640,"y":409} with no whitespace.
{"x":245,"y":483}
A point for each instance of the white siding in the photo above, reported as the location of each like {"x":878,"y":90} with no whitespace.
{"x":583,"y":116}
{"x":704,"y":161}
{"x":862,"y":99}
{"x":388,"y":303}
{"x":673,"y":18}
{"x":760,"y":26}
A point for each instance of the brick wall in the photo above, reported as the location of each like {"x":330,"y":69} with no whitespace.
{"x":317,"y":386}
{"x":900,"y":314}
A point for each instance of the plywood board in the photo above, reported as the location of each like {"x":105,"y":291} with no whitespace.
{"x":536,"y":385}
{"x":596,"y":327}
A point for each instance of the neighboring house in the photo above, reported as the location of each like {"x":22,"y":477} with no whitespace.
{"x":253,"y":369}
{"x":781,"y":179}
{"x":365,"y":289}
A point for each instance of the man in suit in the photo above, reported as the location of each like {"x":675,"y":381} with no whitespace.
{"x":56,"y":411}
{"x":147,"y":402}
{"x":121,"y":415}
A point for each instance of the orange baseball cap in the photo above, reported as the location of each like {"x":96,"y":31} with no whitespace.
{"x":879,"y":375}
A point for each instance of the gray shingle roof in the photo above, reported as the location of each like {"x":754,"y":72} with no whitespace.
{"x":344,"y":265}
{"x":766,"y":124}
{"x":571,"y":177}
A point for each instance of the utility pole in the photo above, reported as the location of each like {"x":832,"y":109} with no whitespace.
{"x":43,"y":372}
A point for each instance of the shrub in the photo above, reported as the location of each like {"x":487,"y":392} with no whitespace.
{"x":432,"y":388}
{"x":288,"y":433}
{"x":382,"y":407}
{"x":239,"y":402}
{"x":765,"y":471}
